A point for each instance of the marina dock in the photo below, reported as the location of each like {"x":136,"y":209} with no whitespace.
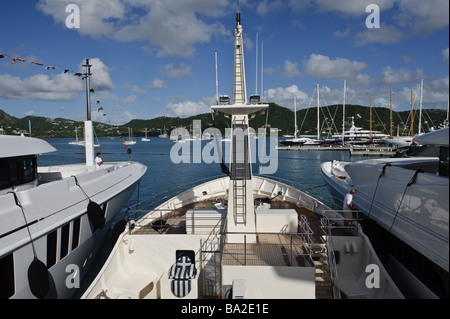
{"x":370,"y":150}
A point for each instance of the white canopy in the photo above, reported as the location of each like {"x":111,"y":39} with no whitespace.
{"x":439,"y":137}
{"x":13,"y":146}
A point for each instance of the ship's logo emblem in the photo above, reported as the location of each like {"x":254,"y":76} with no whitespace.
{"x":181,"y":274}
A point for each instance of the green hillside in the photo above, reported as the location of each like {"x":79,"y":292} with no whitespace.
{"x":276,"y":116}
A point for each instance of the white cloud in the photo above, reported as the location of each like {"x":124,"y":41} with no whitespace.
{"x":321,"y":66}
{"x":266,"y":6}
{"x":385,"y":34}
{"x":285,"y":96}
{"x":445,"y":54}
{"x":187,"y":108}
{"x":59,"y":87}
{"x":62,"y":87}
{"x":157,"y":84}
{"x":134,"y":88}
{"x":401,"y":76}
{"x":290,"y":69}
{"x":173,"y":70}
{"x":341,"y":34}
{"x":170,"y":27}
{"x":423,"y":17}
{"x":352,"y":7}
{"x":100,"y":78}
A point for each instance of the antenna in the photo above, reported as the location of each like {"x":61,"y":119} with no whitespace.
{"x":256,"y":69}
{"x":217,"y":81}
{"x":262,"y":70}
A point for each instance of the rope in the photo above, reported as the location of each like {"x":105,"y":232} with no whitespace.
{"x":412,"y":181}
{"x":376,"y":187}
{"x":26,"y":222}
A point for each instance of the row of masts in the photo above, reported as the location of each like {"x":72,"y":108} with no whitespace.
{"x":370,"y":103}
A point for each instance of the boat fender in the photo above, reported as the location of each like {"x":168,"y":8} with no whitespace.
{"x":96,"y":215}
{"x":38,"y":278}
{"x":118,"y":229}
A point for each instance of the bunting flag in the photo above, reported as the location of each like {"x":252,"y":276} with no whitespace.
{"x":98,"y":101}
{"x":99,"y":109}
{"x":66,"y":70}
{"x":17,"y":59}
{"x":92,"y":91}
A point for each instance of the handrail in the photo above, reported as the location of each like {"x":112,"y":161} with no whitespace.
{"x":331,"y":257}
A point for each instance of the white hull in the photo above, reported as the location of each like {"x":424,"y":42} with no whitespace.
{"x":416,"y":214}
{"x":59,"y":206}
{"x":82,"y":144}
{"x":139,"y":265}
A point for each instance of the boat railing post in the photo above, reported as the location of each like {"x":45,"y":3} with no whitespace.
{"x":245,"y":250}
{"x":291,"y":249}
{"x":129,"y":220}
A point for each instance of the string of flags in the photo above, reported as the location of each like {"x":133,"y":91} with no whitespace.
{"x":14,"y":60}
{"x":78,"y":74}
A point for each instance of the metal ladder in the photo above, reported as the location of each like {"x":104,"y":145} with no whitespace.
{"x":240,"y":207}
{"x":240,"y":172}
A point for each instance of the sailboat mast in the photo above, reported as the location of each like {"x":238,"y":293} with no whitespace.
{"x":343,"y":113}
{"x":262,"y":70}
{"x":371,"y":119}
{"x":420,"y":111}
{"x":318,"y":113}
{"x":391,"y":110}
{"x":295,"y":117}
{"x":217,"y":82}
{"x":412,"y":114}
{"x":256,"y":69}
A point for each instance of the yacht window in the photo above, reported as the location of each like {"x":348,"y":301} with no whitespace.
{"x":7,"y":277}
{"x":444,"y":161}
{"x":51,"y":248}
{"x":76,"y":233}
{"x":65,"y":232}
{"x":16,"y":171}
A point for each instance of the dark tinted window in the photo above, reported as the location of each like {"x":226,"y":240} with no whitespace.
{"x":7,"y":277}
{"x":76,"y":233}
{"x":51,"y":248}
{"x":65,"y":231}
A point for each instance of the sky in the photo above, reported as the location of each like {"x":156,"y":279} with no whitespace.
{"x":154,"y":58}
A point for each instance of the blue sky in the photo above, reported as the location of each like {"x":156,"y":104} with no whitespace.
{"x":156,"y":58}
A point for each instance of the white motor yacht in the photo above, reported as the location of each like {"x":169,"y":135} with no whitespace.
{"x":407,"y":199}
{"x":240,"y":236}
{"x":54,"y":219}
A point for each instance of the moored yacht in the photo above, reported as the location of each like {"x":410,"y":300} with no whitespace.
{"x":54,"y":219}
{"x":240,"y":236}
{"x":407,"y":201}
{"x":357,"y":135}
